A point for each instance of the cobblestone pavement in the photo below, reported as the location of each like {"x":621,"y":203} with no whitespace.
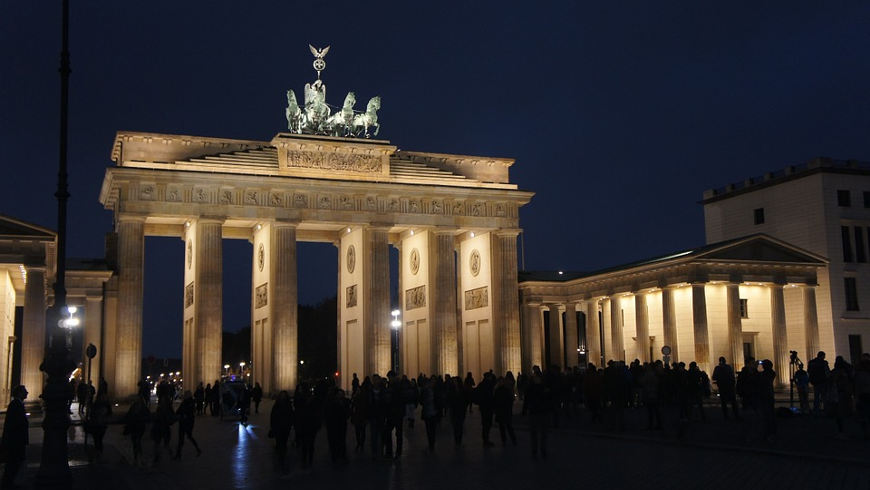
{"x":580,"y":455}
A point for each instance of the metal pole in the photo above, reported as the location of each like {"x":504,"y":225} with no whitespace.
{"x":54,"y":469}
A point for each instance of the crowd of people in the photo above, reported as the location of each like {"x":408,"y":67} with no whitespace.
{"x":379,"y":409}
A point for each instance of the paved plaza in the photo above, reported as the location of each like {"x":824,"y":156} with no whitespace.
{"x":716,"y":454}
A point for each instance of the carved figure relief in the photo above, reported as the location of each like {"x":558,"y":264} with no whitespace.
{"x":200,"y":195}
{"x":415,"y":298}
{"x":458,"y":208}
{"x":500,"y":210}
{"x":413,"y":206}
{"x":261,"y":257}
{"x":226,"y":196}
{"x":350,"y":293}
{"x":300,"y":200}
{"x":351,"y":259}
{"x":371,"y":203}
{"x":474,"y":263}
{"x":189,"y":253}
{"x":275,"y":199}
{"x":476,"y":298}
{"x":188,"y":295}
{"x":334,"y":161}
{"x":324,"y":202}
{"x":478,"y":209}
{"x":262,"y":295}
{"x":250,"y":197}
{"x":346,"y":202}
{"x":393,"y":204}
{"x":146,"y":192}
{"x":414,"y":261}
{"x":437,"y":207}
{"x":173,"y":194}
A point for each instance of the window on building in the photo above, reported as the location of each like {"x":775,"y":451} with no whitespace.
{"x":855,"y":349}
{"x":867,"y":199}
{"x":860,"y":256}
{"x":744,"y":308}
{"x":851,"y":294}
{"x":844,"y":199}
{"x":759,"y":216}
{"x":847,"y":244}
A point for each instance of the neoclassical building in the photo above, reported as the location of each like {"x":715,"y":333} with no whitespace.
{"x":453,"y":218}
{"x":750,"y":296}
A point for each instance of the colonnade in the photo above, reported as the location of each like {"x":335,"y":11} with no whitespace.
{"x":709,"y":328}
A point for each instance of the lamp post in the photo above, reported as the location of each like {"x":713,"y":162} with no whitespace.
{"x":54,"y":465}
{"x":396,"y":324}
{"x":227,"y":369}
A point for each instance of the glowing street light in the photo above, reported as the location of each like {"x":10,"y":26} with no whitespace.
{"x":395,"y":323}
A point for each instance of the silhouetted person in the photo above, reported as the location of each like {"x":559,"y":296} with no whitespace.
{"x":281,"y":421}
{"x":468,"y":385}
{"x":84,"y":395}
{"x":336,"y":413}
{"x":359,"y":415}
{"x":862,"y":394}
{"x":199,"y":398}
{"x":186,"y":416}
{"x":15,"y":436}
{"x":214,"y":400}
{"x":539,"y":407}
{"x":650,"y":393}
{"x":395,"y":416}
{"x":746,"y":383}
{"x":98,"y":421}
{"x":429,"y":409}
{"x":840,"y":390}
{"x":765,"y":399}
{"x":161,"y":425}
{"x":484,"y":398}
{"x":697,"y":385}
{"x":723,"y":376}
{"x":592,"y":391}
{"x":257,"y":396}
{"x":135,"y":421}
{"x":145,"y":391}
{"x":802,"y":383}
{"x":244,"y":405}
{"x":457,"y":404}
{"x":354,"y":386}
{"x":307,"y":422}
{"x":819,"y":371}
{"x":377,"y":415}
{"x":503,"y":404}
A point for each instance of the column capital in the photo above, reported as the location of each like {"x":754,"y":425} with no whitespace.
{"x":130,"y":218}
{"x":443,"y":231}
{"x":378,"y":227}
{"x":507,"y":232}
{"x":284,"y":223}
{"x":211,"y":219}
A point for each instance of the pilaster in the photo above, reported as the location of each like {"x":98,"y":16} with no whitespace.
{"x":285,"y":328}
{"x":376,"y":285}
{"x":506,"y":308}
{"x":442,"y":291}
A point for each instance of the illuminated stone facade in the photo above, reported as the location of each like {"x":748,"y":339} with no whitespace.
{"x":361,"y":195}
{"x":749,"y":296}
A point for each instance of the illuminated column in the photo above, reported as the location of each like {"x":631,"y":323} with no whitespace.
{"x":284,"y":304}
{"x":811,"y":322}
{"x":533,"y":334}
{"x":572,"y":343}
{"x":780,"y":334}
{"x":555,"y":348}
{"x":616,"y":329}
{"x":208,"y":299}
{"x":442,"y":290}
{"x":669,"y":323}
{"x":506,"y":307}
{"x":376,"y":294}
{"x":92,"y":335}
{"x":699,"y":325}
{"x":128,"y":347}
{"x":641,"y":316}
{"x":33,"y":332}
{"x":593,"y":329}
{"x":735,"y":325}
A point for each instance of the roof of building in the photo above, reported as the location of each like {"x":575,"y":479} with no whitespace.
{"x":792,"y":172}
{"x":15,"y":228}
{"x":758,"y":247}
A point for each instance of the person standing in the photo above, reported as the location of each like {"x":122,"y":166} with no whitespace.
{"x":199,"y":398}
{"x":457,"y":404}
{"x":186,"y":415}
{"x":819,"y":370}
{"x":161,"y":431}
{"x":134,"y":426}
{"x":429,"y":410}
{"x":802,"y":382}
{"x":281,"y":421}
{"x":723,"y":376}
{"x":538,"y":402}
{"x":98,"y":421}
{"x":336,"y":414}
{"x":503,"y":402}
{"x":15,"y":436}
{"x":862,"y":394}
{"x":765,"y":399}
{"x":485,"y":403}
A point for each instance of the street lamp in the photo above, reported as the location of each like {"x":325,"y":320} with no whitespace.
{"x":227,"y":368}
{"x":394,"y":351}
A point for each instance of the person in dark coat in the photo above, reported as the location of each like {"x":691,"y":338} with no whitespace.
{"x":199,"y":398}
{"x":359,"y":416}
{"x":161,"y":426}
{"x":429,"y":411}
{"x":308,"y":417}
{"x":186,"y":415}
{"x":244,"y":405}
{"x":395,"y":416}
{"x":281,"y":421}
{"x":539,"y":407}
{"x":98,"y":421}
{"x":503,"y":404}
{"x":723,"y":376}
{"x":765,"y":399}
{"x":15,"y":436}
{"x":134,"y":425}
{"x":337,"y":411}
{"x":457,"y":405}
{"x":485,"y":402}
{"x":257,"y":396}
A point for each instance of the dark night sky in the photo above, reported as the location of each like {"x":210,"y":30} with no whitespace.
{"x":619,"y":114}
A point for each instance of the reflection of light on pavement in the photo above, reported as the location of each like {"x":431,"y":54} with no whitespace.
{"x":242,"y":456}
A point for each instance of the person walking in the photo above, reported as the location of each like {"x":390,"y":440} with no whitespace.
{"x":281,"y":421}
{"x":98,"y":421}
{"x":161,"y":425}
{"x":429,"y":411}
{"x":199,"y":398}
{"x":135,"y":420}
{"x":839,"y":394}
{"x":485,"y":402}
{"x":650,"y":390}
{"x":244,"y":405}
{"x":723,"y":376}
{"x":257,"y":396}
{"x":539,"y":406}
{"x":457,"y":406}
{"x":186,"y":415}
{"x":503,"y":405}
{"x":336,"y":414}
{"x":15,"y":436}
{"x":802,"y":383}
{"x":359,"y":413}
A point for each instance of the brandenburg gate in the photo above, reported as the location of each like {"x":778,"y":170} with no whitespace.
{"x":454,"y":220}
